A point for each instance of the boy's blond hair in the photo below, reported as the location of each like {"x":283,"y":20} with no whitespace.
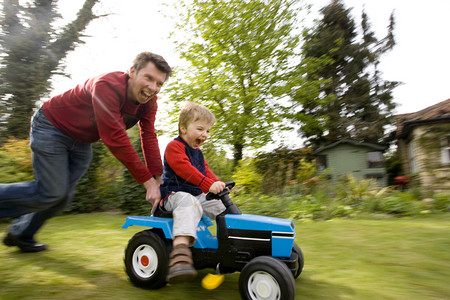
{"x":193,"y":112}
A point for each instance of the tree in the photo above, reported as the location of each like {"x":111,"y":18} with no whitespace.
{"x":240,"y":56}
{"x":32,"y":52}
{"x":357,"y":103}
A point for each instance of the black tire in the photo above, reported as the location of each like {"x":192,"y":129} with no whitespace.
{"x":265,"y":277}
{"x":146,"y":260}
{"x":296,"y":249}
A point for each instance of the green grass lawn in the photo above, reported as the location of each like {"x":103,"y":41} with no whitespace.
{"x":407,"y":258}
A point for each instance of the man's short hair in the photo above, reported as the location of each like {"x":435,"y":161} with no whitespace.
{"x":142,"y":59}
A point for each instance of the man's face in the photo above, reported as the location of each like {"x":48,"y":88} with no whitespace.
{"x":144,"y":84}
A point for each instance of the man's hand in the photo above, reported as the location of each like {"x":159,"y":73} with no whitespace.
{"x":217,"y":187}
{"x":153,"y":194}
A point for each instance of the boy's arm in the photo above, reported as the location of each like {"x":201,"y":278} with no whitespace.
{"x":177,"y":159}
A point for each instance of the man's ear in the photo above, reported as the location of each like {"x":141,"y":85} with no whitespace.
{"x":132,"y":72}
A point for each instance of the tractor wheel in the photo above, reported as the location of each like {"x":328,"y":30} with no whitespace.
{"x":146,"y":260}
{"x":296,"y":249}
{"x":266,"y":278}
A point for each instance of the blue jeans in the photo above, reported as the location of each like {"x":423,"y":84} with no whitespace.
{"x":59,"y":162}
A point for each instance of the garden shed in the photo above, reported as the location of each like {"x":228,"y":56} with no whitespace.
{"x":362,"y":160}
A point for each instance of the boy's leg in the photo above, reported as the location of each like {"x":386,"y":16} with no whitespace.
{"x":187,"y":212}
{"x":211,"y":208}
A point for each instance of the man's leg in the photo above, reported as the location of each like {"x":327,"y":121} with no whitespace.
{"x":57,"y":169}
{"x":80,"y":157}
{"x":50,"y":163}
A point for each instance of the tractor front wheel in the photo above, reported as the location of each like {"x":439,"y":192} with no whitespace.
{"x":266,"y":278}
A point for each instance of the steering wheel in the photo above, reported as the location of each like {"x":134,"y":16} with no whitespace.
{"x":228,"y":186}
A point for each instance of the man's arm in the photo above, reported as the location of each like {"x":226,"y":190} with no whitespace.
{"x":112,"y":131}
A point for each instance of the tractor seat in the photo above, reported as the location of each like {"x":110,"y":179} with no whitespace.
{"x":162,"y":213}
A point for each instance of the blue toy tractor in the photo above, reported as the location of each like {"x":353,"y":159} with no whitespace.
{"x":261,"y":248}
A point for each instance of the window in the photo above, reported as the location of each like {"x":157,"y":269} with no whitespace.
{"x":446,"y":150}
{"x":375,"y":159}
{"x":321,"y":162}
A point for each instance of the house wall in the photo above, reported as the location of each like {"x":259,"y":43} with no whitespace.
{"x":421,"y":155}
{"x":350,"y":159}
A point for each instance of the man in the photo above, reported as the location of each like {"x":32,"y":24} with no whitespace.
{"x":62,"y":131}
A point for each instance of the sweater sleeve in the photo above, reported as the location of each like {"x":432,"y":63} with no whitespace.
{"x":177,"y":159}
{"x":112,"y":131}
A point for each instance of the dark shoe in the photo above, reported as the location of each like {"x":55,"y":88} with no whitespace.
{"x":181,"y":267}
{"x":26,"y":246}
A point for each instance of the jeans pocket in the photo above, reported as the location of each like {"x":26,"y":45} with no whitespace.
{"x":40,"y":120}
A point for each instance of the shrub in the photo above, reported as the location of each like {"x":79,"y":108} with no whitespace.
{"x":397,"y":204}
{"x":352,"y":191}
{"x":348,"y":198}
{"x":16,"y":165}
{"x":260,"y":204}
{"x":247,"y":179}
{"x":442,"y":202}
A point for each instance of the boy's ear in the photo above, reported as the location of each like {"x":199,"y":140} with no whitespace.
{"x":182,"y":129}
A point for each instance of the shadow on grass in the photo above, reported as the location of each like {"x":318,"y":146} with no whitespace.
{"x":44,"y":276}
{"x":64,"y":278}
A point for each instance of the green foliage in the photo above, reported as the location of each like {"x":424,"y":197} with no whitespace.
{"x":217,"y":161}
{"x":397,"y":204}
{"x":282,"y":167}
{"x":247,"y":179}
{"x":357,"y":103}
{"x":442,"y":202}
{"x":239,"y":55}
{"x":306,"y":170}
{"x":97,"y":189}
{"x":15,"y":161}
{"x":32,"y":49}
{"x":349,"y":198}
{"x":352,"y":191}
{"x":260,"y":204}
{"x":393,"y":165}
{"x":131,"y":195}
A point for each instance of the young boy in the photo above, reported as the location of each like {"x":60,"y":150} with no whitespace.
{"x":186,"y":179}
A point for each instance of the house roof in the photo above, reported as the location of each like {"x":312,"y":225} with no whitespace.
{"x":438,"y":113}
{"x":354,"y":143}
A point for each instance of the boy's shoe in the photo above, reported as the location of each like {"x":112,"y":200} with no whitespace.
{"x":24,"y":245}
{"x":181,"y":267}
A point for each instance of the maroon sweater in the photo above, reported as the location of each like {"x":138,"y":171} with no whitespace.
{"x":100,"y":109}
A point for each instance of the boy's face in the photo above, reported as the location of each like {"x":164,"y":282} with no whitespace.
{"x":195,"y":133}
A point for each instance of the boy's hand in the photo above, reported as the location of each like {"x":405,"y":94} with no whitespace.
{"x":217,"y":187}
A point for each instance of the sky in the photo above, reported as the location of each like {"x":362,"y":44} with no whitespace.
{"x":420,"y":60}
